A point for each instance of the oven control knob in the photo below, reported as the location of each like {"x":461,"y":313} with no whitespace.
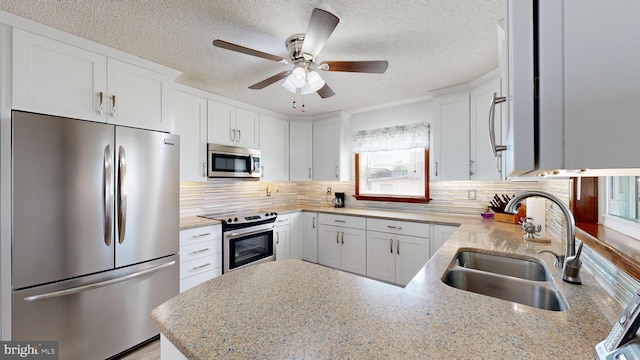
{"x":266,"y":214}
{"x":274,"y":214}
{"x":235,"y":219}
{"x":230,"y":220}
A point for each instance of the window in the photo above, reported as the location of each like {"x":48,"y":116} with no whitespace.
{"x":392,"y":164}
{"x":622,"y":203}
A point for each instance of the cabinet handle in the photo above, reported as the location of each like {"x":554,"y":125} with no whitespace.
{"x":314,"y":222}
{"x":492,"y":124}
{"x":391,"y":245}
{"x":201,"y":266}
{"x":470,"y":167}
{"x":342,"y":237}
{"x":337,"y":175}
{"x":340,"y":221}
{"x":398,"y":247}
{"x":499,"y":163}
{"x":436,"y":168}
{"x":101,"y":97}
{"x":233,"y":137}
{"x":337,"y":237}
{"x":199,"y":251}
{"x":239,"y":135}
{"x":113,"y":108}
{"x":309,"y":173}
{"x":201,"y":235}
{"x":204,"y":169}
{"x":394,"y":227}
{"x":277,"y":238}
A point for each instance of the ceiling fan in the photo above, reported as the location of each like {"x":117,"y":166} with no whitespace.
{"x":303,"y":50}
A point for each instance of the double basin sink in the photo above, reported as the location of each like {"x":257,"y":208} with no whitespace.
{"x":523,"y":280}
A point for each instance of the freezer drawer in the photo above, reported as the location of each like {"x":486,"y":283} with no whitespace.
{"x":110,"y":315}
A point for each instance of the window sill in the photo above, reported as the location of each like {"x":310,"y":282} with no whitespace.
{"x":622,"y":250}
{"x":393,"y":199}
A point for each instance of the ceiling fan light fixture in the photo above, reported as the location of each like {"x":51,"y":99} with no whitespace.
{"x":298,"y":77}
{"x":287,"y":84}
{"x":314,"y":83}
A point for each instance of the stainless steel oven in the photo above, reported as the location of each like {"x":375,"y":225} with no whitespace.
{"x":247,"y":240}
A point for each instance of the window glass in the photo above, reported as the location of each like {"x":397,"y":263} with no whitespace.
{"x":392,"y":173}
{"x":623,"y":197}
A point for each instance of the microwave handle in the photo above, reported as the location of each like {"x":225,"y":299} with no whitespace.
{"x":253,"y":165}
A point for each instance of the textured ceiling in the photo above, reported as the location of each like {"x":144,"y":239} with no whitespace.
{"x":430,"y":44}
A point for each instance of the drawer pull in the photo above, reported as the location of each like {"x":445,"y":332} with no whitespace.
{"x":201,"y":235}
{"x":340,"y":221}
{"x":201,"y":266}
{"x":199,"y":251}
{"x":398,"y":247}
{"x":391,"y":245}
{"x":394,"y":227}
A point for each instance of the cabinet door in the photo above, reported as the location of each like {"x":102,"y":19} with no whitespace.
{"x":483,"y":165}
{"x":54,"y":78}
{"x":300,"y":150}
{"x":440,"y":234}
{"x":411,"y":255}
{"x":354,"y":250}
{"x":248,"y":128}
{"x":329,"y":248}
{"x":326,"y":140}
{"x":281,"y":234}
{"x":221,"y":123}
{"x":274,"y":145}
{"x":309,"y":236}
{"x":191,"y":125}
{"x":451,"y":137}
{"x":295,"y":230}
{"x":381,"y":258}
{"x":138,"y":97}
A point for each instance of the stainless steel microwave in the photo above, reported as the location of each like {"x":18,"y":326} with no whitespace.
{"x":232,"y":162}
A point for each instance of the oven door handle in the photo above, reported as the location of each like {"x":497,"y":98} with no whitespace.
{"x":254,"y":230}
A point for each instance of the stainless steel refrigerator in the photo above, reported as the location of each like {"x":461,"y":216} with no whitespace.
{"x":94,"y":232}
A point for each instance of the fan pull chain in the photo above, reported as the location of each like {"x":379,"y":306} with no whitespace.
{"x":302,"y":103}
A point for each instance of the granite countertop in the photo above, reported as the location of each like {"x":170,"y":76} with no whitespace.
{"x":295,"y":309}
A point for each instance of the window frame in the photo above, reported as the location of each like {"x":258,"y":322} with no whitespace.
{"x":614,"y":222}
{"x":405,"y":199}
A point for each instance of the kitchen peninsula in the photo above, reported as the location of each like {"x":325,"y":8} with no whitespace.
{"x":295,"y":309}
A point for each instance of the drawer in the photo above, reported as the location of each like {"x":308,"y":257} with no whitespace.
{"x":282,"y":220}
{"x":200,"y":234}
{"x":200,"y":265}
{"x":399,"y":227}
{"x":191,"y":281}
{"x":343,"y":220}
{"x":200,"y":249}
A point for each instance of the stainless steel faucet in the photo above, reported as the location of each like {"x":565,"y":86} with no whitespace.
{"x":572,"y":263}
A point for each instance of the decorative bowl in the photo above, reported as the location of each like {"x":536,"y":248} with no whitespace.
{"x":487,"y":215}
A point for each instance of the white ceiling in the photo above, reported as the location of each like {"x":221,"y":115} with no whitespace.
{"x":430,"y":44}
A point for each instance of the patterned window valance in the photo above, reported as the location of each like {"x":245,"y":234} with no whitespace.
{"x":392,"y":138}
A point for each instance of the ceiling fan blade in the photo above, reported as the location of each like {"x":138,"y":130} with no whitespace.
{"x":245,"y":50}
{"x":375,"y":67}
{"x":325,"y":91}
{"x":266,"y":82}
{"x":320,"y":27}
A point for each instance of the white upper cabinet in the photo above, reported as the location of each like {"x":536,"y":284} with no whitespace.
{"x":56,"y":78}
{"x":274,"y":144}
{"x":587,"y":84}
{"x":483,"y":164}
{"x":191,"y":125}
{"x":331,"y":156}
{"x":230,"y":125}
{"x":301,"y":150}
{"x":450,"y":135}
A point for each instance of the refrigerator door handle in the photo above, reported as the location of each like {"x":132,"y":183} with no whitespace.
{"x":122,"y":194}
{"x":75,"y":290}
{"x":107,"y":193}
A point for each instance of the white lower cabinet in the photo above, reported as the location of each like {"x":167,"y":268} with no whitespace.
{"x":281,"y":237}
{"x":439,"y":235}
{"x":200,"y":255}
{"x":295,"y":229}
{"x":309,"y":236}
{"x":396,"y":250}
{"x":342,"y":243}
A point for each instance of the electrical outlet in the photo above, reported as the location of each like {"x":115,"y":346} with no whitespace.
{"x":471,"y":195}
{"x":329,"y":190}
